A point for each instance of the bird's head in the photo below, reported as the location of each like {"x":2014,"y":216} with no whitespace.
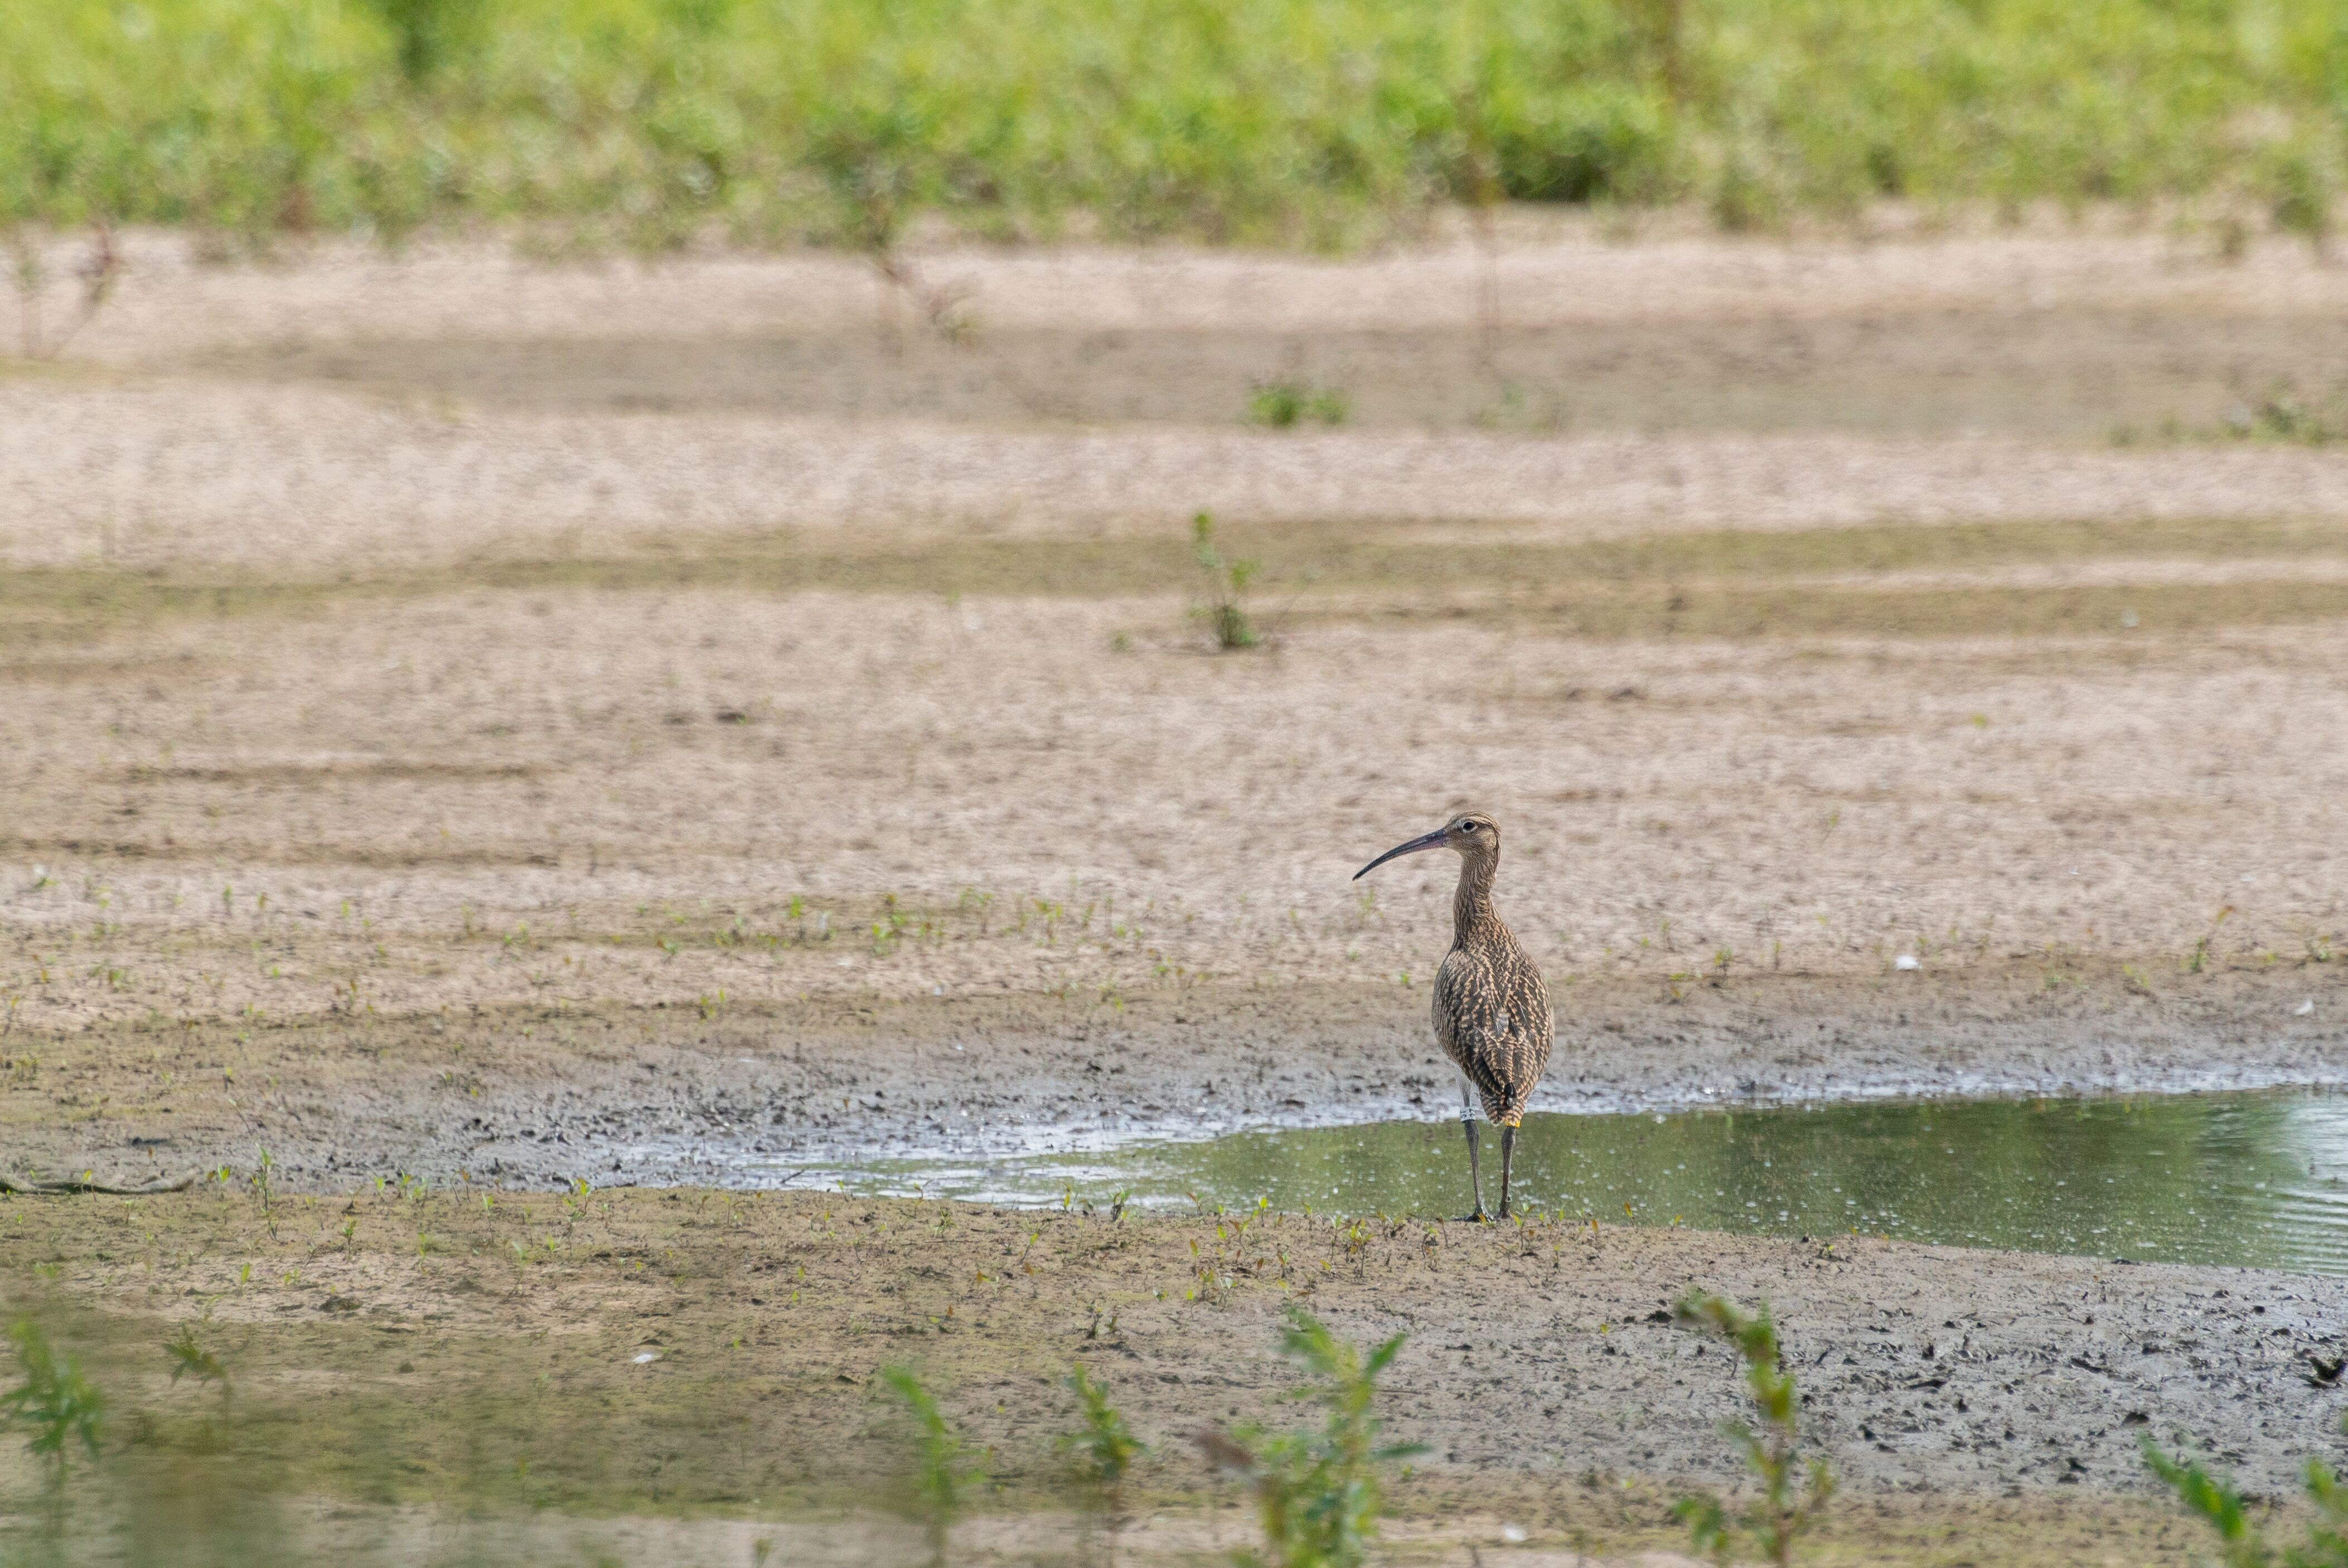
{"x":1469,"y":833}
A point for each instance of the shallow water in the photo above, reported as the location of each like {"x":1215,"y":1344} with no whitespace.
{"x":2247,"y":1179}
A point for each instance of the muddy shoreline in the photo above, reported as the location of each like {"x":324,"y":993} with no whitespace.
{"x":607,"y":1336}
{"x":665,"y":1095}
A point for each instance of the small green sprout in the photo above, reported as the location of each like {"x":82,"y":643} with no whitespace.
{"x":1225,"y":610}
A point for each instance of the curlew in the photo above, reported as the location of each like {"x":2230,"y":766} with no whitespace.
{"x":1491,"y":1011}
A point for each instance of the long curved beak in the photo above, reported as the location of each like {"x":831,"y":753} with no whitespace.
{"x":1435,"y":840}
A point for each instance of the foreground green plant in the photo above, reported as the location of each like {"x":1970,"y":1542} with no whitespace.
{"x":55,"y":1403}
{"x":1105,"y":1448}
{"x":1317,"y":1492}
{"x":942,"y":1469}
{"x":1787,"y":1505}
{"x":2217,"y":1503}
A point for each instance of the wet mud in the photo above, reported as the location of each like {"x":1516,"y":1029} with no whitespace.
{"x":737,"y":1095}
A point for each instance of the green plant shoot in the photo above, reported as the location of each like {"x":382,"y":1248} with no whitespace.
{"x":1317,"y":1492}
{"x":190,"y":1359}
{"x":53,"y":1403}
{"x":1787,"y":1505}
{"x":1225,"y":610}
{"x":941,"y":1465}
{"x":1105,"y":1449}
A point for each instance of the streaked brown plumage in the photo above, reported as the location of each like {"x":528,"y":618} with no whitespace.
{"x":1491,"y":1012}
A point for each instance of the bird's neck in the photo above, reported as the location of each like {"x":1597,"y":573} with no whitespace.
{"x":1473,"y":919}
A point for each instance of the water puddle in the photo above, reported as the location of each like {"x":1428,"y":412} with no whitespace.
{"x":2244,"y":1179}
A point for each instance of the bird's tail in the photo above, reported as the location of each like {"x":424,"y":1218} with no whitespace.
{"x":1503,"y":1109}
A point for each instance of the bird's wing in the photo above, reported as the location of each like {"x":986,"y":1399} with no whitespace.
{"x":1540,"y":1024}
{"x":1502,"y":1042}
{"x":1473,"y":1022}
{"x":1448,"y":975}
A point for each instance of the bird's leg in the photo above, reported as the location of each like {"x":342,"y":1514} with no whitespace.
{"x":1474,"y":1174}
{"x":1475,"y":1168}
{"x":1508,"y":1154}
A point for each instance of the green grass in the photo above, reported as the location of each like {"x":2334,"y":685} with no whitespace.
{"x":1282,"y":404}
{"x":1312,"y":121}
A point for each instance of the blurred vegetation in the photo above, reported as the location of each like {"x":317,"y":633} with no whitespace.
{"x":2215,"y":1500}
{"x":649,"y":122}
{"x":205,"y":1483}
{"x":943,"y":1468}
{"x":52,"y":1403}
{"x":1793,"y":1495}
{"x":1318,"y":1494}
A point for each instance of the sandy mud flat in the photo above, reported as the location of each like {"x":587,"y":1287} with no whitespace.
{"x":500,"y":725}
